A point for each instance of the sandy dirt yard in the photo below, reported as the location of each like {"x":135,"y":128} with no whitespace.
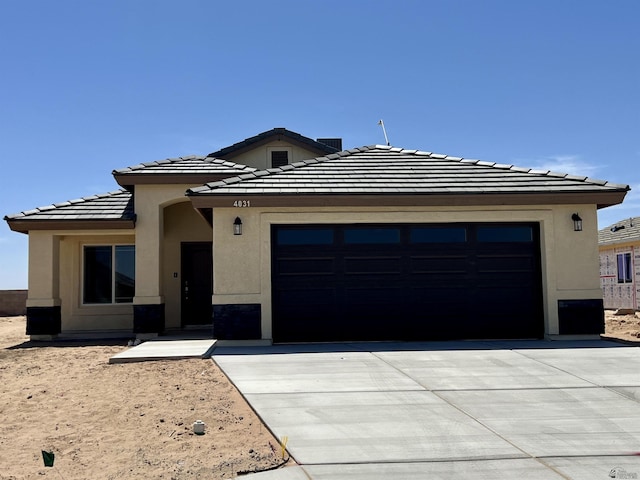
{"x":622,"y":327}
{"x":133,"y":420}
{"x":120,"y":421}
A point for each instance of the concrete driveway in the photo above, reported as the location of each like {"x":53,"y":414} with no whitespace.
{"x":447,"y":410}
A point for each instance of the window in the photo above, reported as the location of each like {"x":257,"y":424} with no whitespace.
{"x":369,"y":236}
{"x":279,"y":158}
{"x":305,"y":236}
{"x":624,"y":268}
{"x":438,"y":235}
{"x":506,"y":234}
{"x":109,"y":274}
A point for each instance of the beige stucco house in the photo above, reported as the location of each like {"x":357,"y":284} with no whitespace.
{"x":284,"y":238}
{"x":619,"y":246}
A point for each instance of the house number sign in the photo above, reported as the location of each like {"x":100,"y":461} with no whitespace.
{"x":242,"y":203}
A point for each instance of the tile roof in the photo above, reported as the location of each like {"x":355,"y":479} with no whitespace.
{"x":191,"y":166}
{"x":113,"y":207}
{"x":624,"y":231}
{"x":276,"y":132}
{"x":383,"y":170}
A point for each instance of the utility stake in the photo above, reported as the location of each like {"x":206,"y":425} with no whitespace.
{"x":283,"y":444}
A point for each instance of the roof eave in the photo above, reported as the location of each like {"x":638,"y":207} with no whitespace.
{"x":217,"y":200}
{"x":25,"y":226}
{"x":129,"y":179}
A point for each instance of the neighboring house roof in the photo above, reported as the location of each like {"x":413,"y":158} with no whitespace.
{"x":624,"y":231}
{"x":182,"y":170}
{"x":108,"y":210}
{"x":270,"y":135}
{"x":377,"y":172}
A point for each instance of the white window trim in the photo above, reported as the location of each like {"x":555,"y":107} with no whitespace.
{"x":627,"y":263}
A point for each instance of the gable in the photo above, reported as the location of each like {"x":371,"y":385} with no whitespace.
{"x":259,"y":151}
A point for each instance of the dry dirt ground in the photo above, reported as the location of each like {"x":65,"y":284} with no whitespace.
{"x":133,"y":420}
{"x":622,"y":327}
{"x":120,"y":421}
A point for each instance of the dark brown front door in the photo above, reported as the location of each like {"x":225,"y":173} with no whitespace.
{"x":197,"y":282}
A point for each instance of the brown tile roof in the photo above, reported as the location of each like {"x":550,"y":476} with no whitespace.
{"x":383,"y":170}
{"x":108,"y":210}
{"x":191,"y":169}
{"x":624,"y":231}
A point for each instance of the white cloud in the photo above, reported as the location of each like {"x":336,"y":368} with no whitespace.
{"x":571,"y":164}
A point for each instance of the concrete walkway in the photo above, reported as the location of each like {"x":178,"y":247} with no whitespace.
{"x":164,"y":349}
{"x":481,"y":410}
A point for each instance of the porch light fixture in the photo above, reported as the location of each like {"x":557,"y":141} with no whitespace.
{"x":237,"y":226}
{"x":577,"y":222}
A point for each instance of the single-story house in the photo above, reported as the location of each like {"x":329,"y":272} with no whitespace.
{"x":619,"y":246}
{"x":287,"y":239}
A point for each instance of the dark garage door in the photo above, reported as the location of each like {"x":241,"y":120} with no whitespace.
{"x":406,"y":282}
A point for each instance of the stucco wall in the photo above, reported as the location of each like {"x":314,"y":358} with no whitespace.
{"x":181,"y":224}
{"x":242,"y":264}
{"x":165,"y":218}
{"x":13,"y":302}
{"x":151,"y":202}
{"x":76,"y":316}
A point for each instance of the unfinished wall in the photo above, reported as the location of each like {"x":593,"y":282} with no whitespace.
{"x":614,"y":294}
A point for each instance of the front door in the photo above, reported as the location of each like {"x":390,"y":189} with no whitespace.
{"x":197,"y":282}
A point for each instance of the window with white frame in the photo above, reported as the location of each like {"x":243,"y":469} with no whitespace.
{"x":109,"y":273}
{"x":625,"y":268}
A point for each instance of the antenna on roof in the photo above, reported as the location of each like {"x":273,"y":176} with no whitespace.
{"x":386,"y":139}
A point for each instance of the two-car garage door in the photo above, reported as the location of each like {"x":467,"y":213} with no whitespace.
{"x":406,"y":282}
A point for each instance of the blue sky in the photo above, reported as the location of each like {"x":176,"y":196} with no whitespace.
{"x":89,"y":86}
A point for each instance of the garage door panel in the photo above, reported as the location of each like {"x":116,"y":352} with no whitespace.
{"x":446,"y":264}
{"x":372,"y":265}
{"x":307,"y":266}
{"x":505,"y":263}
{"x":374,"y":296}
{"x":306,"y":296}
{"x":505,"y":280}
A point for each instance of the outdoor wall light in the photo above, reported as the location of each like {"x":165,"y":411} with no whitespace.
{"x":237,"y":226}
{"x":577,"y":222}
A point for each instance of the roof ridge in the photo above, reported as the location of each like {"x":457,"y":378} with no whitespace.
{"x":67,"y":203}
{"x":322,"y":147}
{"x":174,"y":160}
{"x":622,"y":221}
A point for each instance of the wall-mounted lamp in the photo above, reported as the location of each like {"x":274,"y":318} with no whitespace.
{"x":237,"y":226}
{"x":577,"y":222}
